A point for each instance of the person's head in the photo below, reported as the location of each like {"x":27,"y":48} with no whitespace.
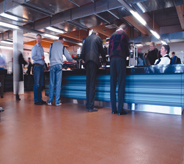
{"x":38,"y":38}
{"x":123,"y":27}
{"x":96,"y":32}
{"x":29,"y":59}
{"x":152,"y":46}
{"x":61,"y":39}
{"x":139,"y":49}
{"x":165,"y":49}
{"x":173,"y":54}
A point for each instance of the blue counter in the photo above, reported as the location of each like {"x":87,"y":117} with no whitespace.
{"x":153,"y":85}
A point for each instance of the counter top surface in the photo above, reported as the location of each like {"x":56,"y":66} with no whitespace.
{"x":153,"y":69}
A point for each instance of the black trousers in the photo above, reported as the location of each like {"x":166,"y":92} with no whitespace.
{"x":2,"y":85}
{"x":117,"y":71}
{"x":91,"y":72}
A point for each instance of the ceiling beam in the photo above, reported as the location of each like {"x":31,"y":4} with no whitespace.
{"x":76,"y":35}
{"x":180,"y":11}
{"x":103,"y":30}
{"x":134,"y":22}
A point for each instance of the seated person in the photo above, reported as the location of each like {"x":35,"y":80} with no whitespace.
{"x":165,"y":59}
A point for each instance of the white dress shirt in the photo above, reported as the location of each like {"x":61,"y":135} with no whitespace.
{"x":164,"y":60}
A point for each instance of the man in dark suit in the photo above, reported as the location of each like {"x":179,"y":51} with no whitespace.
{"x":152,"y":54}
{"x":175,"y":59}
{"x":118,"y":51}
{"x":91,"y":51}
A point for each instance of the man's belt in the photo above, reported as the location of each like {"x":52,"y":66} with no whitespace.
{"x":39,"y":64}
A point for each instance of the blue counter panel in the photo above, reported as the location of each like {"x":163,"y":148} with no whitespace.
{"x":153,"y":89}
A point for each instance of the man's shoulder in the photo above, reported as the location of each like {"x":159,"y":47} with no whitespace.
{"x":34,"y":47}
{"x":57,"y":43}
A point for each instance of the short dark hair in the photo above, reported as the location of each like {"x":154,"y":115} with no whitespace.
{"x":61,"y":38}
{"x":123,"y":26}
{"x":153,"y":43}
{"x":39,"y":35}
{"x":173,"y":52}
{"x":167,"y":48}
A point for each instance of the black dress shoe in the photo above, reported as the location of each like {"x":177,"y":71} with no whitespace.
{"x":93,"y":110}
{"x":123,"y":112}
{"x":18,"y":98}
{"x":114,"y":112}
{"x":38,"y":103}
{"x":43,"y":102}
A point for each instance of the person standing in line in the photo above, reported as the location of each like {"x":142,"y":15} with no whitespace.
{"x":118,"y":51}
{"x":19,"y":73}
{"x":175,"y":59}
{"x":57,"y":50}
{"x":38,"y":57}
{"x":30,"y":65}
{"x":91,"y":51}
{"x":152,"y":54}
{"x":2,"y":76}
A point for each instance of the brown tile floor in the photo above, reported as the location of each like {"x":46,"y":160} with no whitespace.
{"x":68,"y":134}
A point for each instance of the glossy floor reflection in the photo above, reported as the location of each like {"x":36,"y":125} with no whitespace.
{"x":68,"y":134}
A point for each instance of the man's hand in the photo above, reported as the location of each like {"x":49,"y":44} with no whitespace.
{"x":104,"y":64}
{"x":74,"y":61}
{"x":43,"y":57}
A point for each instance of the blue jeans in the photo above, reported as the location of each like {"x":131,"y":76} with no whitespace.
{"x":38,"y":82}
{"x":55,"y":74}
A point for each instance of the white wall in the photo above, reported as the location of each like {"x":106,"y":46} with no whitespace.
{"x":170,"y":29}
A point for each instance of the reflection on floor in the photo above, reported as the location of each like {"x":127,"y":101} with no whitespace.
{"x":68,"y":134}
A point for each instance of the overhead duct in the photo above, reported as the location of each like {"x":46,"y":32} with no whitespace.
{"x":169,"y":38}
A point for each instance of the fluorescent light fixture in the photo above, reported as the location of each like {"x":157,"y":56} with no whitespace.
{"x":138,"y":45}
{"x":55,"y":30}
{"x":141,"y":7}
{"x":163,"y":42}
{"x":155,"y":34}
{"x":51,"y":36}
{"x":9,"y":16}
{"x":138,"y":17}
{"x":8,"y":25}
{"x":32,"y":33}
{"x":5,"y":42}
{"x":4,"y":47}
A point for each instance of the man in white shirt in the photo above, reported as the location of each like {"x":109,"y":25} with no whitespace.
{"x":165,"y":59}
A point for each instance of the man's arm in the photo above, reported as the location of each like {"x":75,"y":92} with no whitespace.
{"x":83,"y":52}
{"x":68,"y":56}
{"x":50,"y":51}
{"x":102,"y":52}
